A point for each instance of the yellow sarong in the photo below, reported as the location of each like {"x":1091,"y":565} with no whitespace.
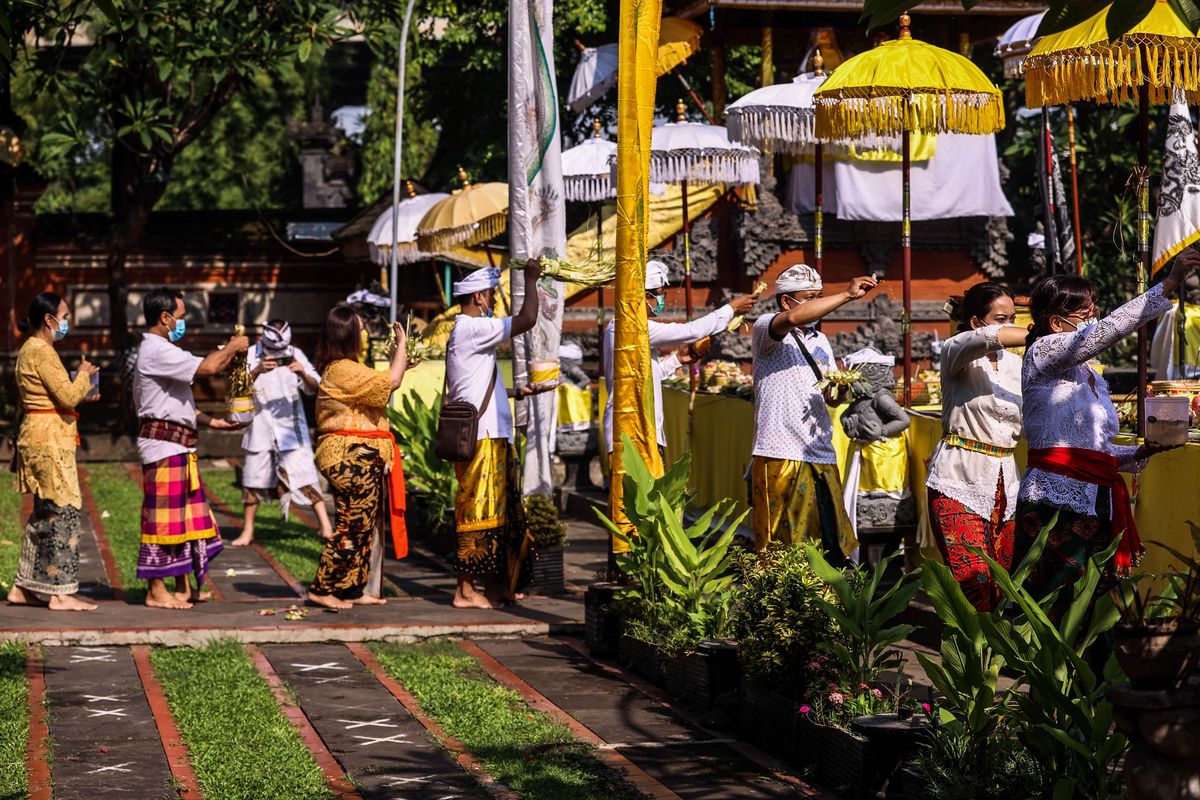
{"x":482,"y":500}
{"x":795,"y":501}
{"x":489,"y":517}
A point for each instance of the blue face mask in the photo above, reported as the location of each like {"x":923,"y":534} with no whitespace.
{"x":176,"y":333}
{"x":659,"y":304}
{"x":64,"y":327}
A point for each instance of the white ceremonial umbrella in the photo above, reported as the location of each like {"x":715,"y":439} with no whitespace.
{"x":410,"y":212}
{"x":685,"y":151}
{"x":595,"y":74}
{"x":1016,"y":42}
{"x":587,"y":176}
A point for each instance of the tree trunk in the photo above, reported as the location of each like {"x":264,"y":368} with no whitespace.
{"x":133,"y":198}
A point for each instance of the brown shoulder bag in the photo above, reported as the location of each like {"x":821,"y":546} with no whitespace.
{"x":458,"y":424}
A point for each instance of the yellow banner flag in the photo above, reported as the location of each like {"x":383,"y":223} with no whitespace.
{"x":633,"y":393}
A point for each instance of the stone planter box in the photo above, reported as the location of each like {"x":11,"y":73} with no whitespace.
{"x":547,"y":573}
{"x":912,"y":785}
{"x":644,"y":658}
{"x":602,"y":625}
{"x":893,"y":740}
{"x":842,"y":759}
{"x":768,"y":719}
{"x":703,"y":676}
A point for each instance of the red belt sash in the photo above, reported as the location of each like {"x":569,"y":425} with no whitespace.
{"x":1100,"y":469}
{"x":396,"y":500}
{"x":64,"y":412}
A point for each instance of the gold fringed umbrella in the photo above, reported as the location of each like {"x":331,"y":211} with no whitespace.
{"x":678,"y":40}
{"x":471,"y":215}
{"x":901,"y":87}
{"x":1156,"y":61}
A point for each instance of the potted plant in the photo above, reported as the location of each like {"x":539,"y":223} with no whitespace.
{"x":549,"y":537}
{"x":1156,"y":640}
{"x":678,"y":577}
{"x":778,"y":627}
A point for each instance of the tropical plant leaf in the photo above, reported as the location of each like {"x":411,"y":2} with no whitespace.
{"x":1124,"y":15}
{"x":1064,"y":14}
{"x":1188,"y":11}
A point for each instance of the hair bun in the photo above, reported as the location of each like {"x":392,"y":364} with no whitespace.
{"x":23,"y":326}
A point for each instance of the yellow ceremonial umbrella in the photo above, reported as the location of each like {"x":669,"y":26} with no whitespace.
{"x":471,"y":215}
{"x":678,"y":40}
{"x":901,"y":87}
{"x":1157,"y":60}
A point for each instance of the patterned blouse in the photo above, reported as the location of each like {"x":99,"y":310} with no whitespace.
{"x":352,"y":397}
{"x":46,"y":442}
{"x":1067,"y":403}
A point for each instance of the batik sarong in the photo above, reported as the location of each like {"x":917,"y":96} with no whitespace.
{"x":796,"y":502}
{"x":49,"y":562}
{"x":489,"y":517}
{"x":357,"y":483}
{"x":956,"y":528}
{"x":179,"y":531}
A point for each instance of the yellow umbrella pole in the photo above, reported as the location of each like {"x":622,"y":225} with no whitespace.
{"x":1143,"y":241}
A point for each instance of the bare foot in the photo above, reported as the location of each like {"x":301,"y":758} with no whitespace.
{"x":165,"y":599}
{"x":192,"y":597}
{"x":368,"y":600}
{"x":471,"y":600}
{"x":23,"y":597}
{"x":69,"y":602}
{"x":329,"y":601}
{"x":245,"y":540}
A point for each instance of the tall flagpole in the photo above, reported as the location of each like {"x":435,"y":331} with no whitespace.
{"x":393,"y":272}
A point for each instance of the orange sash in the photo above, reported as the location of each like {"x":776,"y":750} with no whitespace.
{"x":396,"y":499}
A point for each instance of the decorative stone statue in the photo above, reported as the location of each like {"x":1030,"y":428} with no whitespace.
{"x":876,"y":494}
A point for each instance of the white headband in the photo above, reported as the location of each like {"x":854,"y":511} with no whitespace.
{"x":656,"y":275}
{"x":869,"y":355}
{"x":798,"y":278}
{"x":478,"y":281}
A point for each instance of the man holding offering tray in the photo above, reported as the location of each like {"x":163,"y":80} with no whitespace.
{"x":796,"y":489}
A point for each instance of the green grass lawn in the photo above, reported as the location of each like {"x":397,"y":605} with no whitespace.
{"x":12,"y":528}
{"x":241,"y":745}
{"x":294,"y":544}
{"x":14,"y":721}
{"x":120,"y":495}
{"x":525,"y":750}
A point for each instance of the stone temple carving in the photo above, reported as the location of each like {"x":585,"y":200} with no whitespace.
{"x":764,"y":234}
{"x":883,"y":332}
{"x":704,"y":253}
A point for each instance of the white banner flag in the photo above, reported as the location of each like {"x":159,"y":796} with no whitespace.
{"x":1179,"y":198}
{"x":536,"y":215}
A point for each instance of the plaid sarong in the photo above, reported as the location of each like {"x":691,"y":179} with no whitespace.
{"x":174,"y":510}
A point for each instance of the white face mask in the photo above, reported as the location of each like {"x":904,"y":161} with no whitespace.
{"x":1083,"y":325}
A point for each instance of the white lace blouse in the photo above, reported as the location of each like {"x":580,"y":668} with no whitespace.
{"x":981,"y":400}
{"x":1067,"y":403}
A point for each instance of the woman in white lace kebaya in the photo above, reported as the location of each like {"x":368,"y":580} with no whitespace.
{"x":973,"y":477}
{"x":1070,"y":422}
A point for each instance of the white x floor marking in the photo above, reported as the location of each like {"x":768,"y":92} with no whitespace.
{"x":101,"y":698}
{"x":78,"y":659}
{"x":312,"y":667}
{"x":338,"y":679}
{"x":398,"y":738}
{"x":100,"y":712}
{"x":382,"y":722}
{"x":113,"y":768}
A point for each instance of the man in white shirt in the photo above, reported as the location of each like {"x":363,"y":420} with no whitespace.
{"x":665,"y":334}
{"x":279,"y":456}
{"x":796,"y":490}
{"x":179,"y":532}
{"x":489,"y":514}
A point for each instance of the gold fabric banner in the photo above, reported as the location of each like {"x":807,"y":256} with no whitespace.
{"x":633,"y":395}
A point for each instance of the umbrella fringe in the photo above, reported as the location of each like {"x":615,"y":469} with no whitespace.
{"x":463,"y":235}
{"x":856,"y":112}
{"x":587,"y":188}
{"x":732,"y":167}
{"x":1113,"y":72}
{"x":786,"y":129}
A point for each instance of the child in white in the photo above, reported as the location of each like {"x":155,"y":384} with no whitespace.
{"x":279,"y":455}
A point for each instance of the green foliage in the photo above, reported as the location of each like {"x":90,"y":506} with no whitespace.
{"x":953,"y":768}
{"x":14,"y":720}
{"x":241,"y":744}
{"x":863,"y":619}
{"x":415,"y":428}
{"x":525,"y":750}
{"x":1178,"y":600}
{"x":541,"y":516}
{"x":12,"y":528}
{"x":777,"y":622}
{"x":681,"y":575}
{"x":837,"y":706}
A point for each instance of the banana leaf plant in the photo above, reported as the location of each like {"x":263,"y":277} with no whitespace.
{"x":867,"y":637}
{"x":680,"y":575}
{"x":415,"y":428}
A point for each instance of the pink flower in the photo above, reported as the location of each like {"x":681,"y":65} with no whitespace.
{"x":863,"y":686}
{"x":837,"y":698}
{"x":878,"y":693}
{"x":813,"y":666}
{"x":805,"y":709}
{"x":928,"y":708}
